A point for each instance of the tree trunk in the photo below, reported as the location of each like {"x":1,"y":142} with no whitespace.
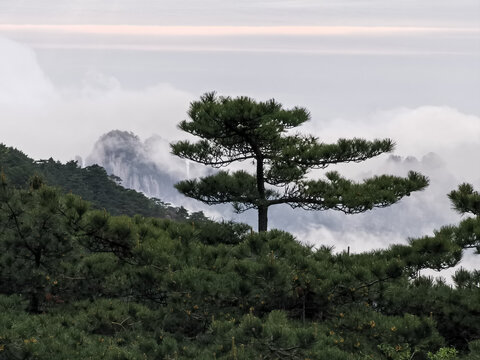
{"x":262,"y":218}
{"x":262,"y":204}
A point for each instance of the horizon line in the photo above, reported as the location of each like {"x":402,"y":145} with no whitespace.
{"x":226,"y":49}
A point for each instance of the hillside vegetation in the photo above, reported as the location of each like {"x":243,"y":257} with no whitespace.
{"x":80,"y":283}
{"x":92,"y":183}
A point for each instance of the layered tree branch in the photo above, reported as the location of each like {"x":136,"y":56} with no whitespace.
{"x":238,"y":187}
{"x":338,"y":193}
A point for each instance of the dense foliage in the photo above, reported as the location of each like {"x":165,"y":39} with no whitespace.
{"x":242,"y":129}
{"x":79,"y":283}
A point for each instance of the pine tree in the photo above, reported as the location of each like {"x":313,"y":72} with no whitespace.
{"x":36,"y":241}
{"x":241,"y":129}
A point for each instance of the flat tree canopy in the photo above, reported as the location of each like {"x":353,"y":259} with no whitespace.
{"x":239,"y":129}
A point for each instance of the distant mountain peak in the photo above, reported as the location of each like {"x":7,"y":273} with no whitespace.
{"x":145,"y":166}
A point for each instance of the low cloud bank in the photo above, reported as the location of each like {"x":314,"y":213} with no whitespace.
{"x":46,"y":121}
{"x":440,"y":142}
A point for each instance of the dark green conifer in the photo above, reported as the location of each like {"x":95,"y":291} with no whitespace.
{"x":242,"y":129}
{"x":36,"y":242}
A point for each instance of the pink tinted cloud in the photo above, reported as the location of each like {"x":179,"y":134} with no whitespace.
{"x":142,"y":30}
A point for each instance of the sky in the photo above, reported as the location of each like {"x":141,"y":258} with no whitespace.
{"x":409,"y":70}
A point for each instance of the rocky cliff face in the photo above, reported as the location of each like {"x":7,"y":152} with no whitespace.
{"x":145,"y":166}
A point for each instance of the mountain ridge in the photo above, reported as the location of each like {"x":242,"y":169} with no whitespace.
{"x":92,"y":183}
